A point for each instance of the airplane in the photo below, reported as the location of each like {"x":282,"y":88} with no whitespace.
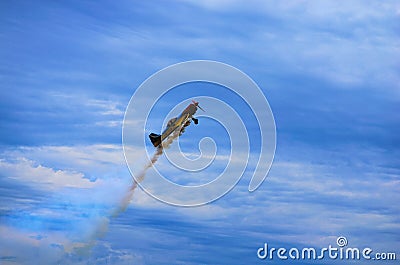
{"x":182,"y":121}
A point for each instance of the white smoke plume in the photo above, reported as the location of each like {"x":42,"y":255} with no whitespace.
{"x":99,"y":230}
{"x":159,"y":151}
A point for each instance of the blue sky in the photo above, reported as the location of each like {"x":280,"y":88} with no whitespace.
{"x":329,"y":70}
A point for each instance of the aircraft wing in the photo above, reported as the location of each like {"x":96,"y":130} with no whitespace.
{"x":177,"y":124}
{"x":157,"y":139}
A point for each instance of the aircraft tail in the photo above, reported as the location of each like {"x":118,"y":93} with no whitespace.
{"x":155,"y":139}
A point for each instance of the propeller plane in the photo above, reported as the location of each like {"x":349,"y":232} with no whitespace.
{"x":182,"y":121}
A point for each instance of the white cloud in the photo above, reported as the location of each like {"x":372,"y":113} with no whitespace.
{"x":115,"y":123}
{"x":351,"y":44}
{"x":106,"y":107}
{"x":28,"y":172}
{"x":323,"y":201}
{"x":69,"y":213}
{"x":101,"y":159}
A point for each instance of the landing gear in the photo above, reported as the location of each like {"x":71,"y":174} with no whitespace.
{"x":196,"y":121}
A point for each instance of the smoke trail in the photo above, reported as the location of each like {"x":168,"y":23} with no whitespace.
{"x":84,"y":248}
{"x":159,"y":151}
